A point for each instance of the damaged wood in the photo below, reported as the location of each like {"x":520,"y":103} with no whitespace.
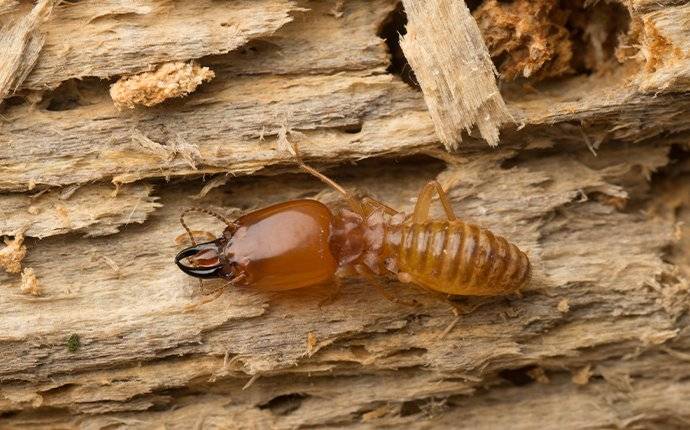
{"x":452,"y":65}
{"x":93,"y":210}
{"x":99,"y":328}
{"x":665,"y":40}
{"x":21,"y":41}
{"x":170,"y":80}
{"x":123,"y":37}
{"x":341,"y":103}
{"x":560,"y":209}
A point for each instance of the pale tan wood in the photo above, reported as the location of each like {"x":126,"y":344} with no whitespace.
{"x":21,"y":40}
{"x":267,"y":334}
{"x":94,"y":210}
{"x":103,"y":44}
{"x":598,"y":339}
{"x":226,"y":120}
{"x":452,"y":65}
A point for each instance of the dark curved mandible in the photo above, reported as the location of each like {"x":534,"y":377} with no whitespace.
{"x":198,"y":272}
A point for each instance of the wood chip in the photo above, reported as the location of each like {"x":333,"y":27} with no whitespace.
{"x":447,"y":53}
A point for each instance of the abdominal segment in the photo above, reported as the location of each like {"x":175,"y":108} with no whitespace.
{"x":453,"y":257}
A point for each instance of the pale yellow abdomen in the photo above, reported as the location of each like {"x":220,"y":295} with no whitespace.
{"x":453,"y":257}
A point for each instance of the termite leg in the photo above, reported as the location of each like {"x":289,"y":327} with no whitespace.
{"x":456,"y":308}
{"x":421,"y":209}
{"x":220,"y":217}
{"x":354,"y":203}
{"x":364,"y":271}
{"x":369,"y":202}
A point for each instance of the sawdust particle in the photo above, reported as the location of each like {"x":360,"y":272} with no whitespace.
{"x":63,"y":214}
{"x":169,"y":80}
{"x":581,"y":377}
{"x":33,"y":210}
{"x":337,"y":10}
{"x":111,"y":263}
{"x":12,"y":254}
{"x":216,"y":182}
{"x":539,"y":375}
{"x":563,"y":306}
{"x":167,"y":152}
{"x":312,"y":341}
{"x":450,"y":326}
{"x":29,"y":283}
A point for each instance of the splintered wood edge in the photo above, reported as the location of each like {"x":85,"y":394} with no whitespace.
{"x":452,"y":64}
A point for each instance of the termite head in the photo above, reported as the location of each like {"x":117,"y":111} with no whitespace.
{"x":201,"y":261}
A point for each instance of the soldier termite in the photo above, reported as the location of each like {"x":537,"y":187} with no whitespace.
{"x":302,"y":243}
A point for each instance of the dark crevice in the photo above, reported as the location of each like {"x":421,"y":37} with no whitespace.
{"x":352,"y":128}
{"x":285,"y":404}
{"x":390,"y":30}
{"x":411,"y":407}
{"x":428,"y":406}
{"x":518,"y":377}
{"x":615,"y":20}
{"x":8,"y":414}
{"x":412,"y":352}
{"x":65,"y":97}
{"x":75,"y":93}
{"x":473,"y":4}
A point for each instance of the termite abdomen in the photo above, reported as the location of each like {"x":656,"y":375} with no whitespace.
{"x":458,"y":258}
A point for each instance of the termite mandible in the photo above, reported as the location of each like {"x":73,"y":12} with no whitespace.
{"x":302,"y":243}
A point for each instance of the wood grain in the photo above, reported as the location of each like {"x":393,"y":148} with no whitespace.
{"x":452,"y":65}
{"x":123,"y":37}
{"x":591,"y":181}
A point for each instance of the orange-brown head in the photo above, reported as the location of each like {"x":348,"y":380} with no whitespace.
{"x":281,"y":247}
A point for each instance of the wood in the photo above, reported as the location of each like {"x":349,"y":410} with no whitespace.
{"x":599,"y":338}
{"x":666,"y":48}
{"x":94,"y":210}
{"x":452,"y":65}
{"x":21,"y":41}
{"x":103,"y":45}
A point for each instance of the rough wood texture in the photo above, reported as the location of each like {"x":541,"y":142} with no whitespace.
{"x":599,"y":338}
{"x":118,"y":37}
{"x":666,"y":48}
{"x":21,"y":41}
{"x":452,"y":65}
{"x":95,"y":210}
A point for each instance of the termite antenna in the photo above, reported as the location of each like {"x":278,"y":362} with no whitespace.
{"x":230,"y":224}
{"x":352,"y":201}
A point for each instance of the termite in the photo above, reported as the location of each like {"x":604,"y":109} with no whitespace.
{"x":302,"y":243}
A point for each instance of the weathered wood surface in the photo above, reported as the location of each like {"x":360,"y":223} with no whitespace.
{"x":452,"y":64}
{"x":599,"y":338}
{"x":116,"y":37}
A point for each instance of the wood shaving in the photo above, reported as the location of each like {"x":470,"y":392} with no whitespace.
{"x":581,"y":377}
{"x":168,"y":81}
{"x":563,"y":306}
{"x":12,"y":254}
{"x":29,"y":283}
